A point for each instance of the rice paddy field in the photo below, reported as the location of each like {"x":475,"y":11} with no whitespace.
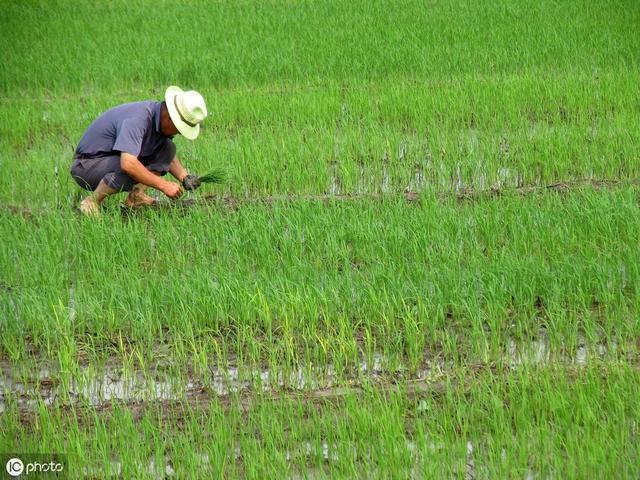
{"x":425,"y":262}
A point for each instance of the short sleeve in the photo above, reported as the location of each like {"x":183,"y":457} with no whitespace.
{"x":129,"y":136}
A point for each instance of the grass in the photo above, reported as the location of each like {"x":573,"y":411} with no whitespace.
{"x":371,"y":137}
{"x":388,"y":268}
{"x":386,"y":202}
{"x":487,"y":425}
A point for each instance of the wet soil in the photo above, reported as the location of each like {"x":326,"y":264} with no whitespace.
{"x":138,"y":391}
{"x":461,"y":193}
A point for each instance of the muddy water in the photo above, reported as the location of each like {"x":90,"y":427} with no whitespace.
{"x":116,"y":383}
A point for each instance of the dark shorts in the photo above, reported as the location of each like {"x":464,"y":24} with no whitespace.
{"x":88,"y":172}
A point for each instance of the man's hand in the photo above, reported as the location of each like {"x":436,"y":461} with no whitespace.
{"x":171,"y":190}
{"x":191,"y":182}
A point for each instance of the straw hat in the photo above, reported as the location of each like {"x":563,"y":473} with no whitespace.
{"x":186,"y":109}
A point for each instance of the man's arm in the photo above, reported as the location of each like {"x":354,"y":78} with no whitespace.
{"x":132,"y":167}
{"x":177,"y":170}
{"x":188,"y":181}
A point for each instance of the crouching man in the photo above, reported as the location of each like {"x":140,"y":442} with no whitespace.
{"x":130,"y":148}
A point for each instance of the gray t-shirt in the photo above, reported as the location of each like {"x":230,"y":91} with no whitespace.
{"x":132,"y":128}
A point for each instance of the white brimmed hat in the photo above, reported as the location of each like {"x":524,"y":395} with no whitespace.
{"x":186,"y":109}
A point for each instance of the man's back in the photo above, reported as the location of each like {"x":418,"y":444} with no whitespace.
{"x":132,"y":128}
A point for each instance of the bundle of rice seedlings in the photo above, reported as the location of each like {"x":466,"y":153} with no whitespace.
{"x":219,"y":175}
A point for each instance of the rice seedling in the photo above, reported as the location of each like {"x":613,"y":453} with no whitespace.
{"x":419,"y":258}
{"x":218,"y":175}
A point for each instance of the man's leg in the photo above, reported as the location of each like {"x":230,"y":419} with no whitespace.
{"x":137,"y":196}
{"x":103,"y":176}
{"x":91,"y":204}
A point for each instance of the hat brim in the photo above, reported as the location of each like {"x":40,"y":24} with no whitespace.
{"x":185,"y":130}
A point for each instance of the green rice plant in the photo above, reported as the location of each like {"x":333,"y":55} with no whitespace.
{"x":492,"y":423}
{"x":486,"y":328}
{"x":219,"y":175}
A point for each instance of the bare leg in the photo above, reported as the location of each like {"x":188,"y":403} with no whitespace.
{"x":137,"y":197}
{"x":90,"y":206}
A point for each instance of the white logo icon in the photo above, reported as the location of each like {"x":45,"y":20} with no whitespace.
{"x":15,"y":467}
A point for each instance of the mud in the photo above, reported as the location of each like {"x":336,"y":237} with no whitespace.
{"x":139,"y":390}
{"x":98,"y":393}
{"x":461,"y":192}
{"x":508,"y":183}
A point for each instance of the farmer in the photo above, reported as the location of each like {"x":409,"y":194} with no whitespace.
{"x":130,"y":148}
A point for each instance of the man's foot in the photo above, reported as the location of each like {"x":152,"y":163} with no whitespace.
{"x":139,"y":199}
{"x":90,"y":207}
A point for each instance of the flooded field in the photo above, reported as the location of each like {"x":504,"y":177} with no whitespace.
{"x":412,"y":334}
{"x":27,"y":389}
{"x":423,"y":260}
